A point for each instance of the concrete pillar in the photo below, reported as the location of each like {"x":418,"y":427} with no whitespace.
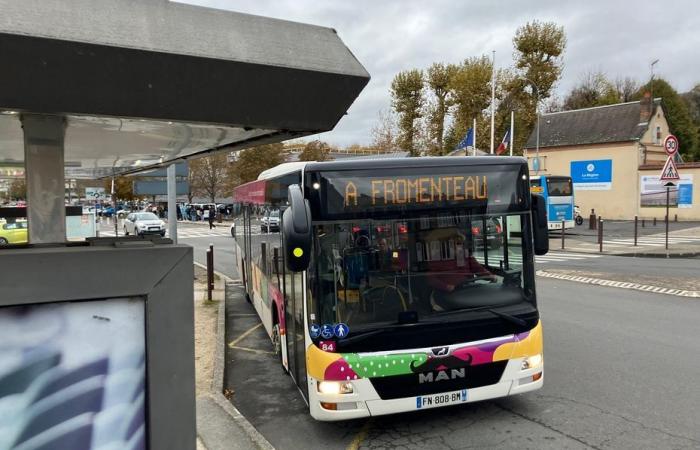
{"x":172,"y":203}
{"x":44,"y":168}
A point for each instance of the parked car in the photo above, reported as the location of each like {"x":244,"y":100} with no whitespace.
{"x":270,"y":221}
{"x":493,"y":236}
{"x":13,"y":232}
{"x":142,"y":223}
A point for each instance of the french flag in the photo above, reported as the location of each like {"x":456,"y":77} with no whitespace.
{"x":504,"y":143}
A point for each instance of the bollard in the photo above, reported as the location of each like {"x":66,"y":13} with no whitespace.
{"x":635,"y":230}
{"x":563,"y":225}
{"x":210,"y":271}
{"x":592,"y":220}
{"x":643,"y":224}
{"x":675,"y":217}
{"x":600,"y":234}
{"x":654,"y":221}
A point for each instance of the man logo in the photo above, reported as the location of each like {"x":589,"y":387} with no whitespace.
{"x":441,"y":351}
{"x":442,"y":375}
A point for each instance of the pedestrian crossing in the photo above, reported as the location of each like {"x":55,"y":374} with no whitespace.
{"x":515,"y":259}
{"x":555,"y":256}
{"x":186,"y":233}
{"x":651,"y":241}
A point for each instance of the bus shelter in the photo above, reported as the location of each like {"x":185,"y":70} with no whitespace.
{"x":94,"y":88}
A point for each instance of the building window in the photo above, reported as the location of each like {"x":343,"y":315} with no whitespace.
{"x":657,"y":138}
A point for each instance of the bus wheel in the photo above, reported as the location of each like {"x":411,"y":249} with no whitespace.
{"x":277,"y":340}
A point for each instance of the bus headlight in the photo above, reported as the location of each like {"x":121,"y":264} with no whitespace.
{"x":531,"y":362}
{"x":335,"y":387}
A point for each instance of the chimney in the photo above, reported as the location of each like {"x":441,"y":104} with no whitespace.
{"x":645,"y":108}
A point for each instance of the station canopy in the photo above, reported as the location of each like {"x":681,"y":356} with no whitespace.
{"x":145,"y":83}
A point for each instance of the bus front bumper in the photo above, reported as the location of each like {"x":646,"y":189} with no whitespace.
{"x":365,"y":402}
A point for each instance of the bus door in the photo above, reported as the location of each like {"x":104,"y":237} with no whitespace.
{"x":247,"y":247}
{"x":294,"y":323}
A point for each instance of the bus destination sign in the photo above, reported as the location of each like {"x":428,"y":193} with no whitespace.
{"x":353,"y":194}
{"x":411,"y":190}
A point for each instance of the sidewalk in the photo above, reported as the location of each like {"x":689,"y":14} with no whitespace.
{"x":684,"y":242}
{"x":219,"y":424}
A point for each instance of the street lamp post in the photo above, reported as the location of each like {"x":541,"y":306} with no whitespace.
{"x":537,"y":133}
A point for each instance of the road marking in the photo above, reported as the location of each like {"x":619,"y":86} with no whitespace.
{"x":252,"y":350}
{"x":360,"y":436}
{"x":233,"y":343}
{"x":619,"y":284}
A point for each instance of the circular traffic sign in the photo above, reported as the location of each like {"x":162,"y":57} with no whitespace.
{"x":671,"y":145}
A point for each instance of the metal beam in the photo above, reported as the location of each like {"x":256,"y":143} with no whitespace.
{"x":172,"y":203}
{"x":44,"y":160}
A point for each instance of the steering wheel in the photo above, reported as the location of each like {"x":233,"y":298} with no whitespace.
{"x":470,"y":281}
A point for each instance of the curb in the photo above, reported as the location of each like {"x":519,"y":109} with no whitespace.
{"x":628,"y":254}
{"x":620,"y":284}
{"x":216,"y":396}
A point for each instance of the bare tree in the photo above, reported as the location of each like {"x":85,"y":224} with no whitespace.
{"x":209,"y":176}
{"x":384,"y":132}
{"x":626,"y":88}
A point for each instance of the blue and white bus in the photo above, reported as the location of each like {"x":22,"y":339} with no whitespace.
{"x":558,"y":192}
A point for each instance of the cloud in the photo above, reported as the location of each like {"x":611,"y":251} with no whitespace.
{"x":619,"y":38}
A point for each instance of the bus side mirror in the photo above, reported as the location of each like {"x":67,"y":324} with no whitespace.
{"x":296,"y":229}
{"x":540,"y":229}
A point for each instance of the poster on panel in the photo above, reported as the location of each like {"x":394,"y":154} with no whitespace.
{"x":73,"y":375}
{"x":653,"y":193}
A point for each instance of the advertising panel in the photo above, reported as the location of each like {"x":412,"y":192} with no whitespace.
{"x":95,"y":193}
{"x":592,"y":175}
{"x":72,"y":375}
{"x":653,"y":192}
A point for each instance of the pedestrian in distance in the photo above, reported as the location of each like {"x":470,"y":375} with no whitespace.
{"x":209,"y":216}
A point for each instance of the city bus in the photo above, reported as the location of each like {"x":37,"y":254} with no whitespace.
{"x":381,"y":294}
{"x":558,"y":193}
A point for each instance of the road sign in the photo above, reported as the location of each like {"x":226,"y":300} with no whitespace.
{"x":669,"y":172}
{"x":95,"y":193}
{"x":671,"y":145}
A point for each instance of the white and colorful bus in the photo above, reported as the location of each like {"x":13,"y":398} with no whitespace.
{"x":558,"y":193}
{"x":386,"y":291}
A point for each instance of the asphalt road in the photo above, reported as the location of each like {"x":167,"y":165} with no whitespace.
{"x":620,"y":373}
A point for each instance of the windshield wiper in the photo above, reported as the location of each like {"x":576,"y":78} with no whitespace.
{"x":508,"y":317}
{"x":488,"y":308}
{"x":363,"y":335}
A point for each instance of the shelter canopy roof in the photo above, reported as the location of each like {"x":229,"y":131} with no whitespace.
{"x":142,"y":83}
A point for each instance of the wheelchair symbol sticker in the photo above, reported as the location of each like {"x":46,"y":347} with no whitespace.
{"x":327,"y":331}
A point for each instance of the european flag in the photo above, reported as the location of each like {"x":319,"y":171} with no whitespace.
{"x":468,"y":140}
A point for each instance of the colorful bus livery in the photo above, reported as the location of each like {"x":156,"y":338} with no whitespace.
{"x":382,"y":300}
{"x":558,"y":193}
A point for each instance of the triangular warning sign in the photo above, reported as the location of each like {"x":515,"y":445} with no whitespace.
{"x":669,"y":172}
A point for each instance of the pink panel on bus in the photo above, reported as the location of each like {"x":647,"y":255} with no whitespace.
{"x":251,"y":192}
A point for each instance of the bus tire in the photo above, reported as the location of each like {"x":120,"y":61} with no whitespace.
{"x":277,"y":341}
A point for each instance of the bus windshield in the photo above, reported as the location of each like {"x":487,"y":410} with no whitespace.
{"x":370,"y":273}
{"x":559,"y":187}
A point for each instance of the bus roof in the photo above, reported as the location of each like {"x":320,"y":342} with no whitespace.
{"x":431,"y":161}
{"x":282,"y":169}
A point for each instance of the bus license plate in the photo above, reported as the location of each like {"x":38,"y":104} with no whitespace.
{"x":443,"y":399}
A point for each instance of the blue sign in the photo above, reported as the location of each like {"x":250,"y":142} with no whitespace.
{"x":559,"y":212}
{"x":327,"y":331}
{"x":315,"y":330}
{"x":592,"y":175}
{"x":685,"y":195}
{"x":341,"y":330}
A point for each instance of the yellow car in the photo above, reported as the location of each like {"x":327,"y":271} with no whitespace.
{"x":13,"y":232}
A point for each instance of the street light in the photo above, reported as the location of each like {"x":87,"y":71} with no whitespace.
{"x":651,"y":80}
{"x":537,"y":112}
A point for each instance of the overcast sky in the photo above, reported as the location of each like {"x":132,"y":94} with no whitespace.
{"x":617,"y":37}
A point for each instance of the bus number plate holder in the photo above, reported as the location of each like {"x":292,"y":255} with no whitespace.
{"x":441,"y":399}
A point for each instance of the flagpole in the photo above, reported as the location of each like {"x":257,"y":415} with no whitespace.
{"x":474,"y":146}
{"x":493,"y":96}
{"x":512,"y":130}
